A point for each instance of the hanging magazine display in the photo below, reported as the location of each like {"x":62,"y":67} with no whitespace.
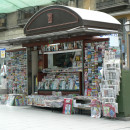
{"x":95,"y":108}
{"x":102,"y":77}
{"x":16,"y":71}
{"x":94,"y":54}
{"x":110,"y":84}
{"x":109,"y":110}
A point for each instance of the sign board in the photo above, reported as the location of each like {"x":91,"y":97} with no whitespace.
{"x":3,"y":54}
{"x":114,"y":39}
{"x":2,"y":49}
{"x":56,"y":18}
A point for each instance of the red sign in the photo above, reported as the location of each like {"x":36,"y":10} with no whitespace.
{"x":49,"y":17}
{"x":67,"y":107}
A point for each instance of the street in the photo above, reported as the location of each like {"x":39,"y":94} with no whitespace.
{"x":33,"y":118}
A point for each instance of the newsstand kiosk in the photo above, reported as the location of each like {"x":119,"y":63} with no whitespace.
{"x":66,"y":57}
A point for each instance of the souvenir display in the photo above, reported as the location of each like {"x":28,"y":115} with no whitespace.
{"x":16,"y":71}
{"x":94,"y":54}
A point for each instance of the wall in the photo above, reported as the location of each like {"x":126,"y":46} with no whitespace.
{"x":50,"y":61}
{"x":1,"y":63}
{"x":13,"y":30}
{"x":89,"y":4}
{"x":124,"y":95}
{"x":12,"y":20}
{"x":3,"y":89}
{"x":34,"y":67}
{"x":72,"y":3}
{"x":85,"y":4}
{"x":11,"y":33}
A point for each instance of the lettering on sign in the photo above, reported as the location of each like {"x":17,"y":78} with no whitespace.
{"x":49,"y":17}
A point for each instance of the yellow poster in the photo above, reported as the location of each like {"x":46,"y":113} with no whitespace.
{"x":2,"y":53}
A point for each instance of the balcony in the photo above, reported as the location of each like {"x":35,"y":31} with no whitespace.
{"x":22,"y":22}
{"x":3,"y":22}
{"x":111,"y":5}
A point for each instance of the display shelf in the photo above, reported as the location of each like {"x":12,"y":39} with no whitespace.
{"x":84,"y":98}
{"x":62,"y":51}
{"x":82,"y":102}
{"x":49,"y":106}
{"x":83,"y":107}
{"x":39,"y":105}
{"x":17,"y":66}
{"x":42,"y":92}
{"x":67,"y":79}
{"x":63,"y":70}
{"x":57,"y":82}
{"x":57,"y":90}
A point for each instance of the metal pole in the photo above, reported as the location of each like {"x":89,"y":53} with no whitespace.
{"x":128,"y":51}
{"x":82,"y":68}
{"x":120,"y":53}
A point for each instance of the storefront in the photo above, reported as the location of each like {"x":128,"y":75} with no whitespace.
{"x":65,"y":58}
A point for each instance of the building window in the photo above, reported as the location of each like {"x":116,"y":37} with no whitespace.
{"x":2,"y":20}
{"x":26,"y":13}
{"x":61,"y":2}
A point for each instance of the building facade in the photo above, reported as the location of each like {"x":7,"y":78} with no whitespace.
{"x":120,"y":10}
{"x":11,"y":25}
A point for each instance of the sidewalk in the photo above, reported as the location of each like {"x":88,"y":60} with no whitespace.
{"x":33,"y":118}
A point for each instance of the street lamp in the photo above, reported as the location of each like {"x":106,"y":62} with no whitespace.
{"x":127,"y":28}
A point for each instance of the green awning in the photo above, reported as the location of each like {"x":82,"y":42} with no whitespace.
{"x":8,"y":6}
